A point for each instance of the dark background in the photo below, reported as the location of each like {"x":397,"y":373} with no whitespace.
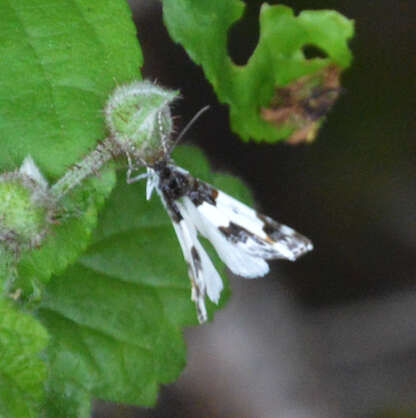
{"x":334,"y":334}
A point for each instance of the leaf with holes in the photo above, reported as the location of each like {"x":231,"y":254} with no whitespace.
{"x":280,"y":93}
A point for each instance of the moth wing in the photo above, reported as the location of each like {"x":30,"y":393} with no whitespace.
{"x":237,"y":259}
{"x":204,"y":277}
{"x":281,"y":241}
{"x":242,"y":238}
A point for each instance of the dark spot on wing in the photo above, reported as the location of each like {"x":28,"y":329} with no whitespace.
{"x":201,"y":192}
{"x":276,"y":232}
{"x":272,"y":228}
{"x":236,"y":233}
{"x":196,"y":259}
{"x":173,"y":210}
{"x":197,"y":293}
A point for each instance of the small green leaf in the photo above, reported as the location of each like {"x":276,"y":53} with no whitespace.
{"x":69,"y":238}
{"x":116,"y":317}
{"x":22,"y":372}
{"x":202,"y":28}
{"x":18,"y":213}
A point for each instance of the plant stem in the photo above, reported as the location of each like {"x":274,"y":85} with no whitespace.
{"x":90,"y":165}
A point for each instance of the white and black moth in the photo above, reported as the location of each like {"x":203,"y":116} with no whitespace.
{"x":243,"y":238}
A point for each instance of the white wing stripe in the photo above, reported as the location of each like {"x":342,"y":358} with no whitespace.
{"x":204,"y":277}
{"x":237,"y":260}
{"x":208,"y":273}
{"x":254,"y":235}
{"x":198,"y":287}
{"x":240,"y":213}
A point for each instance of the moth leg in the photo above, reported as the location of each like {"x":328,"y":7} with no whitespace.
{"x":131,"y":180}
{"x":130,"y":170}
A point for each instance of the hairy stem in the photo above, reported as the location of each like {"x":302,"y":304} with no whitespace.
{"x":90,"y":165}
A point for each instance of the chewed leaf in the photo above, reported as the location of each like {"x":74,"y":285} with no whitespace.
{"x":303,"y":104}
{"x":279,"y":62}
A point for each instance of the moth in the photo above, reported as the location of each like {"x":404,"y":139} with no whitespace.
{"x":244,"y":239}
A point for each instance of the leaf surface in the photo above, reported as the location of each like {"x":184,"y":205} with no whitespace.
{"x":59,"y":62}
{"x":22,"y":372}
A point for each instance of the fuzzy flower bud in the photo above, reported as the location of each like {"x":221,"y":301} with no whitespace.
{"x":139,"y":119}
{"x":25,"y":211}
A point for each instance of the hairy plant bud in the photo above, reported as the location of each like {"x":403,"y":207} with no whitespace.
{"x":25,"y":210}
{"x":139,"y":119}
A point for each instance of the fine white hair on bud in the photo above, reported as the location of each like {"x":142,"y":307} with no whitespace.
{"x":25,"y":208}
{"x":139,"y":120}
{"x":31,"y":170}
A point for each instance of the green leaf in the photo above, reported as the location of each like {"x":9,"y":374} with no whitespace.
{"x":7,"y":267}
{"x":59,"y":62}
{"x":22,"y":373}
{"x":116,"y":317}
{"x":202,"y":28}
{"x":68,"y":239}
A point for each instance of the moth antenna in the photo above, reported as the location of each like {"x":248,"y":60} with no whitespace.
{"x":187,"y":127}
{"x":162,"y":135}
{"x":130,"y":169}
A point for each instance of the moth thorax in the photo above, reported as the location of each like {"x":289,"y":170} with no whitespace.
{"x":139,"y":120}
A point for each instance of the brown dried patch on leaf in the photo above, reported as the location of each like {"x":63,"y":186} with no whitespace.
{"x":304,"y":103}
